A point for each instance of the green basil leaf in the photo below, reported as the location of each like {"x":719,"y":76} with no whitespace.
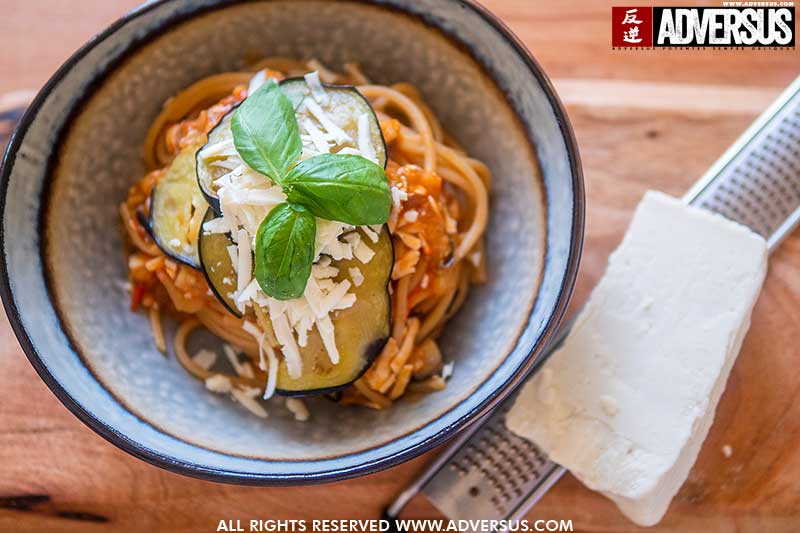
{"x":265,"y":131}
{"x":285,"y":251}
{"x":347,"y":188}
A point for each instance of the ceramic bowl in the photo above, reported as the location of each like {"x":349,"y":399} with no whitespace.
{"x":78,"y":149}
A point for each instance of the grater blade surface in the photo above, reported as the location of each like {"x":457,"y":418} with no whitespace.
{"x":491,"y":473}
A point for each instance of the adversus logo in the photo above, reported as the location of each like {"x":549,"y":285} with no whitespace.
{"x":721,"y":27}
{"x":706,"y":26}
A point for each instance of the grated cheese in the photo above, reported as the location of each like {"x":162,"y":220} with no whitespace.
{"x":247,"y":398}
{"x":327,"y":123}
{"x":285,"y":336}
{"x":411,"y":215}
{"x":270,"y":367}
{"x":218,"y":383}
{"x":365,"y":145}
{"x":242,"y":369}
{"x":447,"y":370}
{"x":356,"y":276}
{"x":398,"y":196}
{"x":362,"y":252}
{"x":325,"y":328}
{"x":216,"y":225}
{"x":317,"y":137}
{"x":317,"y":90}
{"x":204,"y":358}
{"x":218,"y":149}
{"x":257,"y":81}
{"x":233,"y":253}
{"x":245,"y":260}
{"x":370,"y":233}
{"x":298,"y":409}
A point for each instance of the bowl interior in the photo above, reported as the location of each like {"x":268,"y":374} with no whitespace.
{"x":68,"y":290}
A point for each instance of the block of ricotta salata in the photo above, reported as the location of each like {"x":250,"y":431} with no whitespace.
{"x":627,"y":401}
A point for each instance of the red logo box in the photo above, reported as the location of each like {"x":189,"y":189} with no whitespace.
{"x":632,"y":27}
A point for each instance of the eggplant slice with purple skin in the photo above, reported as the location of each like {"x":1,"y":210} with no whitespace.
{"x":174,"y":202}
{"x":360,"y":331}
{"x":344,"y":108}
{"x":216,"y":265}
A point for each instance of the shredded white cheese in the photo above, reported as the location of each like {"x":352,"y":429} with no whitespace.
{"x":356,"y":276}
{"x":285,"y":336}
{"x":257,"y":81}
{"x":242,"y":369}
{"x":327,"y":123}
{"x":398,"y":196}
{"x":245,"y":261}
{"x":317,"y":90}
{"x":247,"y":397}
{"x":216,"y":225}
{"x":298,"y":409}
{"x":233,"y":253}
{"x":370,"y":233}
{"x":218,"y":383}
{"x":447,"y":370}
{"x":365,"y":145}
{"x":317,"y":137}
{"x":205,"y":359}
{"x":218,"y":149}
{"x":411,"y":215}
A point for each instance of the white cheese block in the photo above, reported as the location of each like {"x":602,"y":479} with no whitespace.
{"x":627,"y":401}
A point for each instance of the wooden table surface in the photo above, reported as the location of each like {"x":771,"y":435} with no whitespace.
{"x":650,"y":119}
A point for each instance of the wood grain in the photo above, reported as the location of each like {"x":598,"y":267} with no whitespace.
{"x":643,"y":120}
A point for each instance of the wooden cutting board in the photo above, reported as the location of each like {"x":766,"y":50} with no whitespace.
{"x":642,"y":122}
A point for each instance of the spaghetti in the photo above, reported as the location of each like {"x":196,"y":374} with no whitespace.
{"x":437,"y":225}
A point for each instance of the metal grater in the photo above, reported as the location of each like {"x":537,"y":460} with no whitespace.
{"x":492,"y":474}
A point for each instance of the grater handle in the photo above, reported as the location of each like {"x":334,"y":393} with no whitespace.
{"x":756,"y":182}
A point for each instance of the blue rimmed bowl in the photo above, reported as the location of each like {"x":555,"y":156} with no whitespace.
{"x":78,"y":149}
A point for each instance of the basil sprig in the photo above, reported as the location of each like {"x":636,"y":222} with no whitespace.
{"x":285,"y":251}
{"x":347,"y":188}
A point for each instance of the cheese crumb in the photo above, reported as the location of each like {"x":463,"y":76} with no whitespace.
{"x":447,"y":370}
{"x":356,"y":276}
{"x":411,"y":215}
{"x":727,"y":451}
{"x":317,"y":90}
{"x":298,"y":409}
{"x":242,"y":369}
{"x":247,"y":398}
{"x":257,"y":81}
{"x":218,"y":383}
{"x":205,"y":359}
{"x":364,"y":142}
{"x":398,"y":196}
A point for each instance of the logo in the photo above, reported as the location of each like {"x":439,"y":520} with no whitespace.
{"x":632,"y":27}
{"x":714,"y":27}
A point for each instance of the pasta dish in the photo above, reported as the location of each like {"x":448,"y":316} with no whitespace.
{"x":325,"y":228}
